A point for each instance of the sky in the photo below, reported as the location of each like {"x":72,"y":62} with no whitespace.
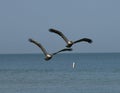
{"x":98,"y":20}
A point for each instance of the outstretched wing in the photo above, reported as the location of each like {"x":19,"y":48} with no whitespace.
{"x":60,"y":34}
{"x":83,"y":39}
{"x":65,"y":49}
{"x":39,"y":45}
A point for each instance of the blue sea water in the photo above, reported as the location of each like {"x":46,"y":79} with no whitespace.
{"x":30,"y":73}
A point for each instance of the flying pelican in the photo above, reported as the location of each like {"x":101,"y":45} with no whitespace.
{"x":69,"y":43}
{"x":47,"y":55}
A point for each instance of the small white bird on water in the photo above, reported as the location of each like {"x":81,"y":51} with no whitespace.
{"x":73,"y":65}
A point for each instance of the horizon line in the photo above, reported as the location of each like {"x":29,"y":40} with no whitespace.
{"x":63,"y":53}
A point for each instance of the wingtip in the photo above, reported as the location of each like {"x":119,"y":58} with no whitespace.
{"x":51,"y":29}
{"x":90,"y":41}
{"x":30,"y":39}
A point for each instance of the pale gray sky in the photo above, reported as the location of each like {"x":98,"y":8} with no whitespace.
{"x":95,"y":19}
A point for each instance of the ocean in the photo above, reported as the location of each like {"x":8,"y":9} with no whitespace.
{"x":30,"y":73}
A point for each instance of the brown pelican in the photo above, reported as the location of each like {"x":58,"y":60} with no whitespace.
{"x":47,"y":55}
{"x":69,"y":43}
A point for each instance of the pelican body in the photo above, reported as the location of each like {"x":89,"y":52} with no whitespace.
{"x":68,"y":42}
{"x":48,"y":56}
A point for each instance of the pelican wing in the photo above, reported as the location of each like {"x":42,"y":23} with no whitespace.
{"x":60,"y":34}
{"x":65,"y":49}
{"x":83,"y":39}
{"x":39,"y":45}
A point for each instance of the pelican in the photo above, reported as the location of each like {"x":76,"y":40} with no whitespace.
{"x":48,"y":56}
{"x":69,"y":43}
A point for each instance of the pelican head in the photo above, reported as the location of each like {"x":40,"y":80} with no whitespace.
{"x":70,"y":43}
{"x":48,"y":57}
